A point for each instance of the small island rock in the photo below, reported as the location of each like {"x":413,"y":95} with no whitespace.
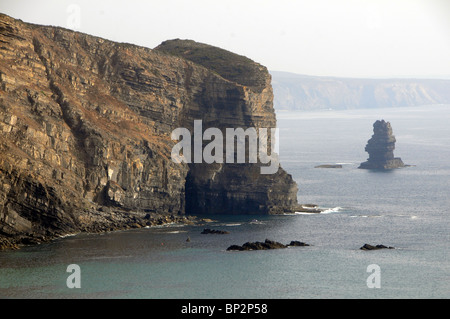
{"x":267,"y":244}
{"x":381,"y":148}
{"x":214,"y":231}
{"x":371,"y":247}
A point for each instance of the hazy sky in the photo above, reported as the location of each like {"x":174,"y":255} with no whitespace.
{"x":352,"y":38}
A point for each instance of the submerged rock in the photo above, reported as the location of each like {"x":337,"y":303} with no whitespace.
{"x":267,"y":244}
{"x":329,"y":166}
{"x":381,"y":148}
{"x":214,"y":231}
{"x":370,"y":247}
{"x":297,"y":243}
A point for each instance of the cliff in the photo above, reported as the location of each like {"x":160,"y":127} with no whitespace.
{"x":381,"y":148}
{"x":301,"y":92}
{"x":85,"y":133}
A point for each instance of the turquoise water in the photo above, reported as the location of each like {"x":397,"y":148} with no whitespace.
{"x":406,"y":208}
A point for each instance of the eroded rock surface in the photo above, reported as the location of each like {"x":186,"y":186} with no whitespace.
{"x":381,"y":148}
{"x":265,"y":245}
{"x":376,"y":247}
{"x":85,"y":133}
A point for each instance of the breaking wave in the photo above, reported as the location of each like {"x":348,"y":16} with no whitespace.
{"x":332,"y":210}
{"x":325,"y":211}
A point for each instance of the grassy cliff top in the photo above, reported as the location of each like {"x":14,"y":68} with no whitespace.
{"x":231,"y":66}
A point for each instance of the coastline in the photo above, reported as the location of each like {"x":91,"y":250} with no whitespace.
{"x":106,"y":220}
{"x":101,"y":222}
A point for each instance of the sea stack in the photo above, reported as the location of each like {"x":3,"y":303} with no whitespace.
{"x":381,"y":148}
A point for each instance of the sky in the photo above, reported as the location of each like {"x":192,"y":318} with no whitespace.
{"x":343,"y":38}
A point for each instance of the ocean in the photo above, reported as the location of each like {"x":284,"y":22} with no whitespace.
{"x":406,"y":208}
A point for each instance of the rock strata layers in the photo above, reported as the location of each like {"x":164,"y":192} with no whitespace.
{"x":85,"y":133}
{"x":381,"y":148}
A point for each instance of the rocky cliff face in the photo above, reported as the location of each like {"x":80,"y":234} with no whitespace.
{"x":381,"y":148}
{"x":85,"y":133}
{"x":301,"y":92}
{"x":245,"y":101}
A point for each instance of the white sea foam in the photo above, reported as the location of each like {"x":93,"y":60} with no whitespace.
{"x":228,"y":224}
{"x":313,"y":212}
{"x":173,"y":224}
{"x":68,"y":235}
{"x":332,"y":210}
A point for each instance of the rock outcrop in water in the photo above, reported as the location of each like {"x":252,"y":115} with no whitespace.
{"x":376,"y":247}
{"x":381,"y":148}
{"x":214,"y":231}
{"x":267,"y":244}
{"x":328,"y":166}
{"x":85,"y":133}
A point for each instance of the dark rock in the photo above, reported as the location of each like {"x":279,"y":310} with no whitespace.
{"x":371,"y":247}
{"x":254,"y":246}
{"x":214,"y":231}
{"x":267,"y":244}
{"x":297,"y":243}
{"x":235,"y":247}
{"x":329,"y":166}
{"x":381,"y":148}
{"x":273,"y":244}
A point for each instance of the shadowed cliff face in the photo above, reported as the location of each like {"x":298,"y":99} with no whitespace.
{"x":245,"y":101}
{"x":85,"y":133}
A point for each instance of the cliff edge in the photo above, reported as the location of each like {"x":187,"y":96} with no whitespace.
{"x":85,"y":133}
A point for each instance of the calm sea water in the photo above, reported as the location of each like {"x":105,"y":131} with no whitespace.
{"x":406,"y":208}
